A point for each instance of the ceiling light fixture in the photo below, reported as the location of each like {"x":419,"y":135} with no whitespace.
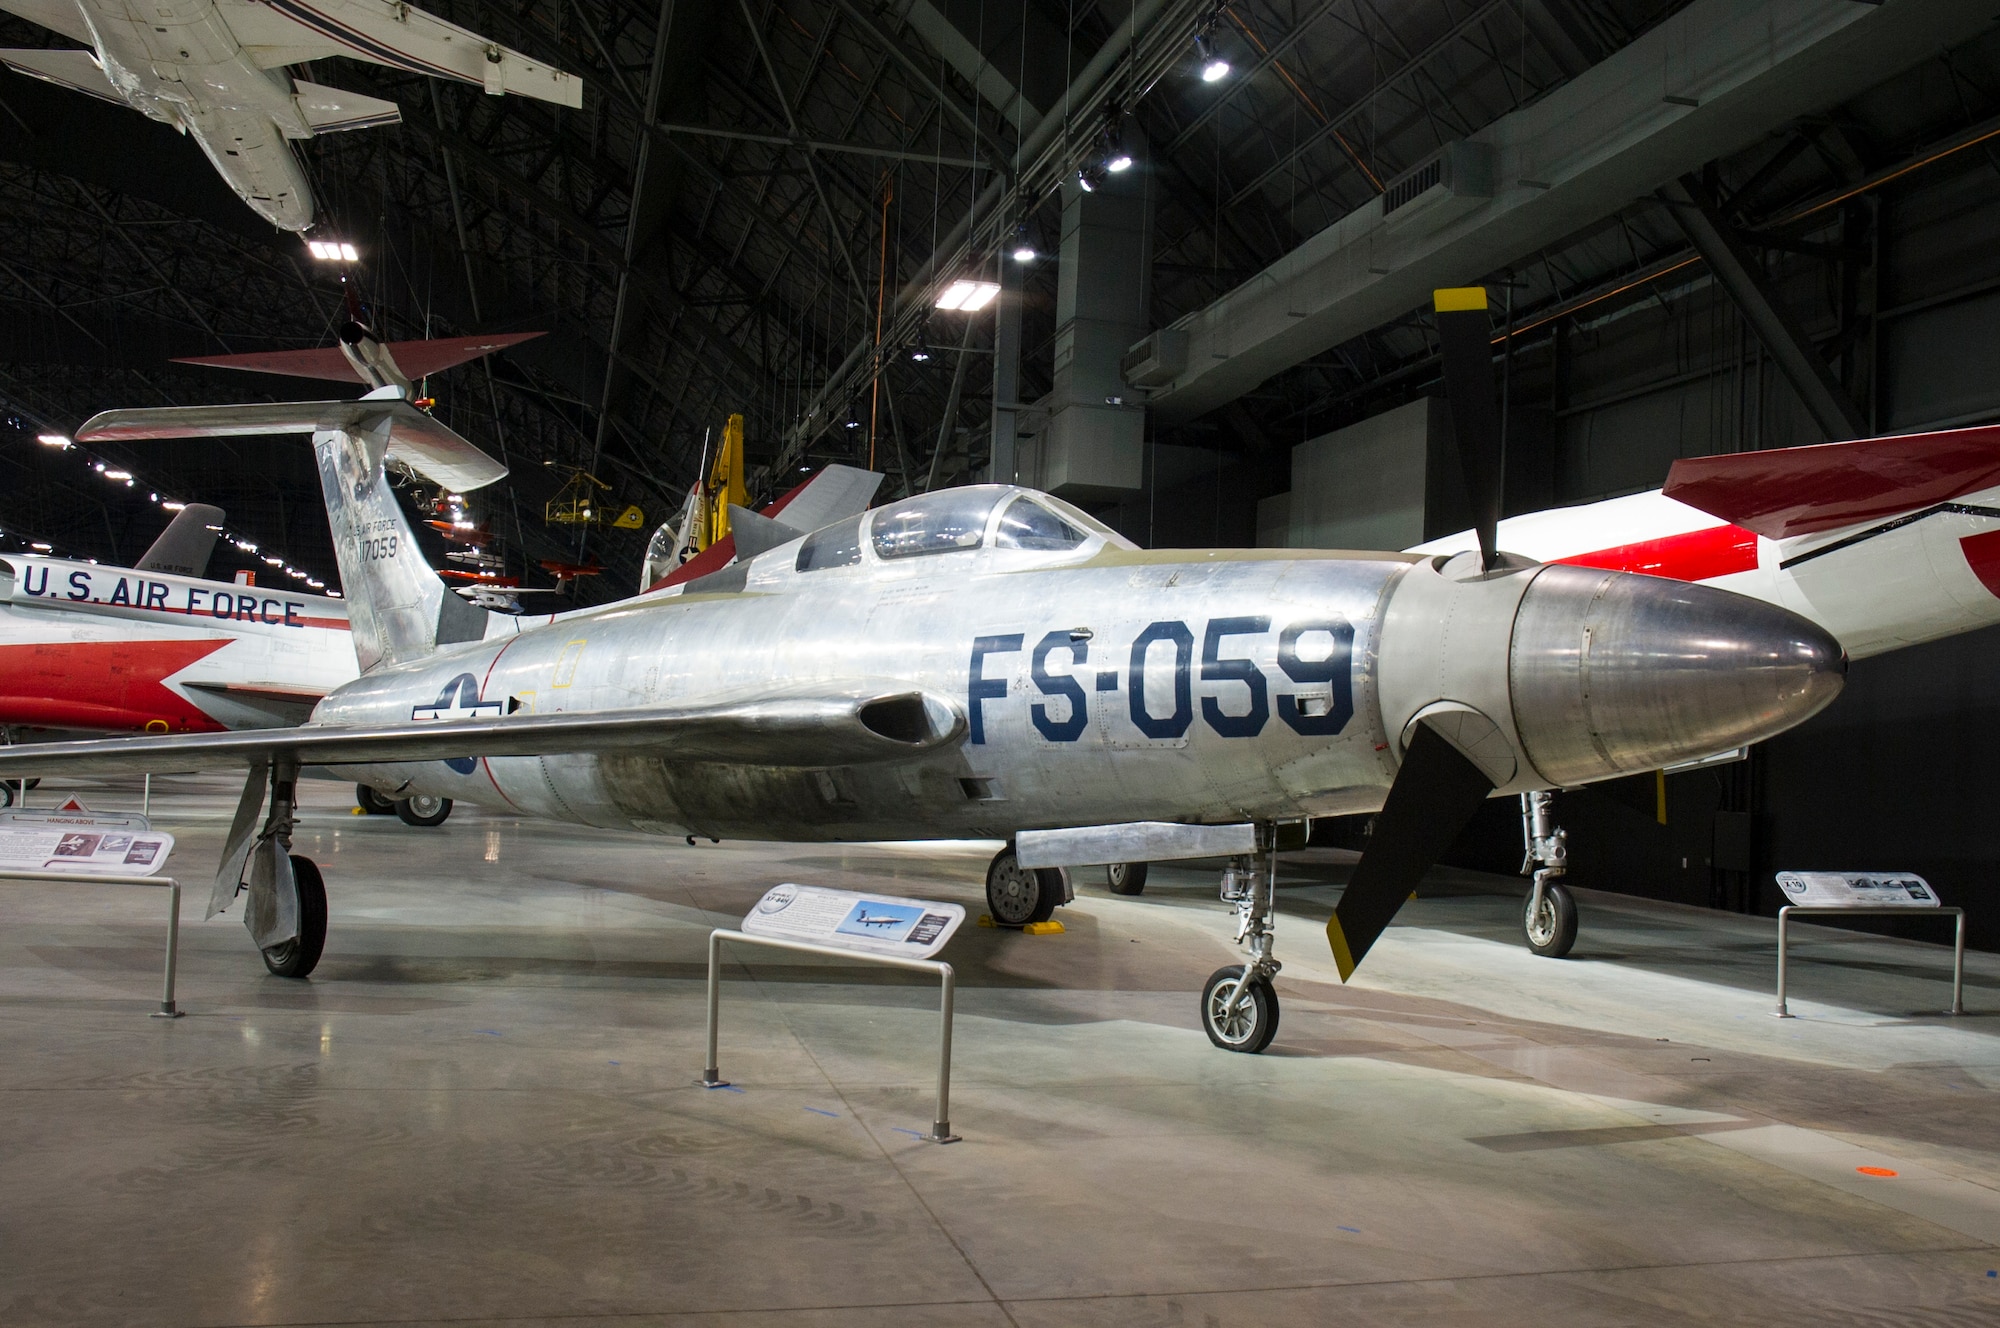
{"x":1213,"y":67}
{"x":968,"y":296}
{"x":333,"y":251}
{"x":171,"y":506}
{"x":116,"y":474}
{"x":52,"y":440}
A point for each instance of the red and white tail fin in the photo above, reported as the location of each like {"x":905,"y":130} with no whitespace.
{"x":834,"y":494}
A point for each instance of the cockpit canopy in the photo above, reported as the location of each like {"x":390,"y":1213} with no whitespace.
{"x":955,"y":521}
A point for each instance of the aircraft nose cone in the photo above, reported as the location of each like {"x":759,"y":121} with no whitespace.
{"x":1612,"y":673}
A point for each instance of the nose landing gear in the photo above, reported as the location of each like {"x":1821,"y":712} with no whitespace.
{"x":1239,"y":1007}
{"x":1549,"y":920}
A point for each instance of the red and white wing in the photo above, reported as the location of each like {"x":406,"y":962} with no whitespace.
{"x":386,"y":32}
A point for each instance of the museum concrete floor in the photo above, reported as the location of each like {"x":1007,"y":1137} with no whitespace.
{"x":481,"y":1108}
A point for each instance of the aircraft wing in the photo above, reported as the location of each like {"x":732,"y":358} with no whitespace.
{"x":1794,"y":491}
{"x":75,"y":70}
{"x":798,"y":730}
{"x":415,"y":438}
{"x":56,"y":15}
{"x":388,"y":32}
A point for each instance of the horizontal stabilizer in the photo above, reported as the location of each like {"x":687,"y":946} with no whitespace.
{"x":1794,"y":491}
{"x":420,"y":442}
{"x":75,"y":70}
{"x":329,"y":110}
{"x":798,"y":731}
{"x":415,"y":358}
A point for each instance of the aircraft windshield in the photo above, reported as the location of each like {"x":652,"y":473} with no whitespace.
{"x":839,"y":545}
{"x":944,"y":522}
{"x":1026,"y":524}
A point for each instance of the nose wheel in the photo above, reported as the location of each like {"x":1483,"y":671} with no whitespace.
{"x":1548,"y":921}
{"x":1239,"y":1007}
{"x":1237,"y":1019}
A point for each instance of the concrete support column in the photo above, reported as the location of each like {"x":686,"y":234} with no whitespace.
{"x":1095,"y":443}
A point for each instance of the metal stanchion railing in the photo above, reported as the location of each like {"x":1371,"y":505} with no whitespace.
{"x":168,"y":1009}
{"x":1862,"y":910}
{"x":711,"y":1076}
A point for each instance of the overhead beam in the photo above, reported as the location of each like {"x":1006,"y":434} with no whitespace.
{"x":823,"y":145}
{"x":943,"y":36}
{"x":1737,"y":271}
{"x":1708,"y":81}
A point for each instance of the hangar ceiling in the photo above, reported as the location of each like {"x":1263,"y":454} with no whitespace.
{"x":751,"y":189}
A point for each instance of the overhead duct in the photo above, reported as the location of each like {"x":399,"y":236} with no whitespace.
{"x":1706,"y":82}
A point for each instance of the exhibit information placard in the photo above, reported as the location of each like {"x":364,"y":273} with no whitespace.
{"x":94,"y":843}
{"x":864,"y":923}
{"x":1857,"y":890}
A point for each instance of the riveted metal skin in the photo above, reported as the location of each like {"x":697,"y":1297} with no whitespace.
{"x":1613,"y":673}
{"x":1033,"y":757}
{"x":919,"y":672}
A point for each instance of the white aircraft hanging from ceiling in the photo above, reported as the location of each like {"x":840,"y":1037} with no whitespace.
{"x":215,"y":69}
{"x":987,"y":661}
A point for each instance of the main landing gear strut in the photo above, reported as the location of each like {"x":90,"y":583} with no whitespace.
{"x":1239,"y":1007}
{"x":286,"y":911}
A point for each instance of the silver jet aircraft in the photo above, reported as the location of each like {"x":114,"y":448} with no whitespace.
{"x":991,"y":662}
{"x":215,"y":69}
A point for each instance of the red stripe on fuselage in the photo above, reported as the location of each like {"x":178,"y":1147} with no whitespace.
{"x":1698,"y":555}
{"x":116,"y":685}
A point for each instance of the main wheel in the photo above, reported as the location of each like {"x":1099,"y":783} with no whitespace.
{"x":300,"y":955}
{"x":1550,"y":930}
{"x":1126,"y":878}
{"x":1252,"y":1025}
{"x":6,"y":793}
{"x":1017,"y":895}
{"x":423,"y":809}
{"x":371,"y":801}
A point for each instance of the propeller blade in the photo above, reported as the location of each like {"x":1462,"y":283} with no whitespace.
{"x":1435,"y":794}
{"x":1465,"y":334}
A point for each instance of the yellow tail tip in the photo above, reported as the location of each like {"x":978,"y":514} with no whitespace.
{"x":1454,"y":298}
{"x":1337,"y":938}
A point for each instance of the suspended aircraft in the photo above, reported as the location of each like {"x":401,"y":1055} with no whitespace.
{"x":215,"y":70}
{"x":990,"y":662}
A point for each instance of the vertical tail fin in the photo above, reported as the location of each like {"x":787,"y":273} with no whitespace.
{"x":187,"y":543}
{"x":399,"y":608}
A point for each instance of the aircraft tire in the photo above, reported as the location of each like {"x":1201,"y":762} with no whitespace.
{"x":300,"y":956}
{"x":1551,"y":934}
{"x":1254,"y":1024}
{"x":1017,"y":895}
{"x":1126,"y":878}
{"x":423,"y":810}
{"x":372,"y":802}
{"x":6,"y":793}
